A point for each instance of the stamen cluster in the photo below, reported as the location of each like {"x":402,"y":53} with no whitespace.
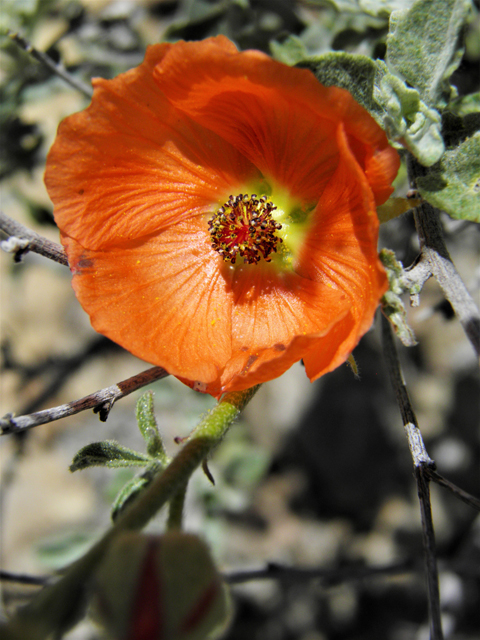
{"x":244,"y":227}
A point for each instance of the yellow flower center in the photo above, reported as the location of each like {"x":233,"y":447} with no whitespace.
{"x":244,"y":227}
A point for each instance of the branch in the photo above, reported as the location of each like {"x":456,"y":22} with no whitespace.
{"x":57,"y":69}
{"x":421,"y":462}
{"x":23,"y":578}
{"x":101,"y":402}
{"x":434,"y":254}
{"x":466,"y":497}
{"x":328,"y":577}
{"x":273,"y":571}
{"x":21,"y":240}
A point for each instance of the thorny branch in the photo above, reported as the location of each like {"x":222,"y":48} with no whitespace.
{"x":101,"y":402}
{"x":421,"y":462}
{"x":21,"y":240}
{"x":435,"y":261}
{"x":58,"y":69}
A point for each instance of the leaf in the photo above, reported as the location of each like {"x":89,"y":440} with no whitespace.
{"x":58,"y":550}
{"x":453,"y":184}
{"x":466,"y":105}
{"x":380,"y":8}
{"x":407,"y":120}
{"x":392,"y":305}
{"x":14,"y":14}
{"x":107,"y":454}
{"x":355,"y":73}
{"x":133,"y":488}
{"x":423,"y":46}
{"x":397,"y":108}
{"x":394,"y":207}
{"x":148,"y":427}
{"x":290,"y":51}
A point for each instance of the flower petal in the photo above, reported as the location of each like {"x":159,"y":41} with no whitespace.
{"x":341,"y":249}
{"x":162,"y":298}
{"x":276,"y":319}
{"x":279,"y":117}
{"x":238,"y":326}
{"x":131,"y":165}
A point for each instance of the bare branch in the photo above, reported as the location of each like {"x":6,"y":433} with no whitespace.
{"x":422,"y":462}
{"x":58,"y":69}
{"x":23,"y":578}
{"x":328,"y":577}
{"x":414,"y":278}
{"x":273,"y":571}
{"x":466,"y":497}
{"x":21,"y":240}
{"x":101,"y":402}
{"x":440,"y":265}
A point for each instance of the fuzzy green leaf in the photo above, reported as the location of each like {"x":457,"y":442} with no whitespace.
{"x":466,"y":105}
{"x":290,"y":51}
{"x":147,"y":424}
{"x":453,"y":184}
{"x":381,"y":8}
{"x":107,"y":454}
{"x":14,"y":14}
{"x":392,"y":304}
{"x":408,"y":121}
{"x":134,"y":487}
{"x":397,"y":108}
{"x":355,"y":73}
{"x":423,"y":46}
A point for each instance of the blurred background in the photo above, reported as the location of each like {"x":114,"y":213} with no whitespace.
{"x":313,"y":475}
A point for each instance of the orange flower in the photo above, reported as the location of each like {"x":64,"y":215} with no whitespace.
{"x":224,"y":292}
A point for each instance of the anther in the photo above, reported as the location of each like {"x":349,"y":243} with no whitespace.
{"x":244,"y":227}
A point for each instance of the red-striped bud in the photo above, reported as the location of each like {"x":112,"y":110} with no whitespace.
{"x":160,"y":588}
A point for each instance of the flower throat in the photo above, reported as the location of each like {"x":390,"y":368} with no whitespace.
{"x":245,"y":228}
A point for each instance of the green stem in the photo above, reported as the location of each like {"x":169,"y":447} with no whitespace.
{"x":56,"y":608}
{"x":175,"y":512}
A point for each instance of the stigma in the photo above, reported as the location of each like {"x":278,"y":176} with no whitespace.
{"x":244,"y":228}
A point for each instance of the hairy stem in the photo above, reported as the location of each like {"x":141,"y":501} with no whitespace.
{"x":175,"y":509}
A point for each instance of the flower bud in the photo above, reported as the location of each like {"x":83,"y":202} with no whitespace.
{"x":160,"y":588}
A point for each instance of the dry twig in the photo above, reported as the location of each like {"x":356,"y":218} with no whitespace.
{"x":462,"y":495}
{"x":101,"y":402}
{"x":57,"y":69}
{"x":421,"y":462}
{"x":328,"y":577}
{"x":21,"y":240}
{"x":23,"y":578}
